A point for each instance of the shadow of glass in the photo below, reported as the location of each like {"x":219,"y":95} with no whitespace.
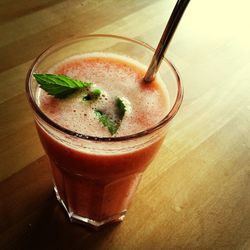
{"x":52,"y":229}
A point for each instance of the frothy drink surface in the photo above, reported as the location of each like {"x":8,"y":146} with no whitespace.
{"x":116,"y":76}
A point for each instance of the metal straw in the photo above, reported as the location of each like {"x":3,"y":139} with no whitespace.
{"x":165,"y":39}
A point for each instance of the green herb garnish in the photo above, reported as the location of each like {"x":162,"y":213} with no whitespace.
{"x":121,"y":108}
{"x":59,"y":86}
{"x":111,"y":124}
{"x":93,"y":95}
{"x":107,"y":122}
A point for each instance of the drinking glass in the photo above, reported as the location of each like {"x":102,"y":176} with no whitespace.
{"x":95,"y":177}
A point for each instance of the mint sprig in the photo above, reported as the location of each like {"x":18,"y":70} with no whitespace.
{"x":59,"y":86}
{"x":92,"y":95}
{"x":111,"y":124}
{"x":107,"y":122}
{"x":121,"y":108}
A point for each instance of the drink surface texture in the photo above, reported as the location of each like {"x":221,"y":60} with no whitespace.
{"x":116,"y":77}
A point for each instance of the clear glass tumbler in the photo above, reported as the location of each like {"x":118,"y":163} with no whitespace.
{"x":95,"y":178}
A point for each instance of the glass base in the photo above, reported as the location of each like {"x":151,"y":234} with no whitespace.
{"x":87,"y":221}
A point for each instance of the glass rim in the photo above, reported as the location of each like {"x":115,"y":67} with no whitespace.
{"x":39,"y":112}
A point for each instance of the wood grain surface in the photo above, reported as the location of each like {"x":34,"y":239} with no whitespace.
{"x":196,"y":194}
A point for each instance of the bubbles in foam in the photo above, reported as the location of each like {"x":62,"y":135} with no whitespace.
{"x":116,"y":76}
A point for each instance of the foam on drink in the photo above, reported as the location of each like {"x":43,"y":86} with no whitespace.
{"x":116,"y":76}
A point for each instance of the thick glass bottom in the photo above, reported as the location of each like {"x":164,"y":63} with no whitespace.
{"x":88,"y":221}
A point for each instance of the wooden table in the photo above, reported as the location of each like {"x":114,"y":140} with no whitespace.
{"x":196,"y":194}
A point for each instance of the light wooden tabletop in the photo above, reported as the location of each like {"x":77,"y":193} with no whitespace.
{"x":196,"y":194}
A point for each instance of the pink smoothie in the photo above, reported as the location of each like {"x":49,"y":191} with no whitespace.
{"x":97,"y":182}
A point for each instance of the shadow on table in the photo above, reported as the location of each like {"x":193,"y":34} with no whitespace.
{"x":48,"y":227}
{"x":51,"y":229}
{"x":32,"y":218}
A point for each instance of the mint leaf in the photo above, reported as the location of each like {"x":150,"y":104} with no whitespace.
{"x":59,"y":86}
{"x":109,"y":123}
{"x":93,"y":95}
{"x":104,"y":119}
{"x":121,"y":108}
